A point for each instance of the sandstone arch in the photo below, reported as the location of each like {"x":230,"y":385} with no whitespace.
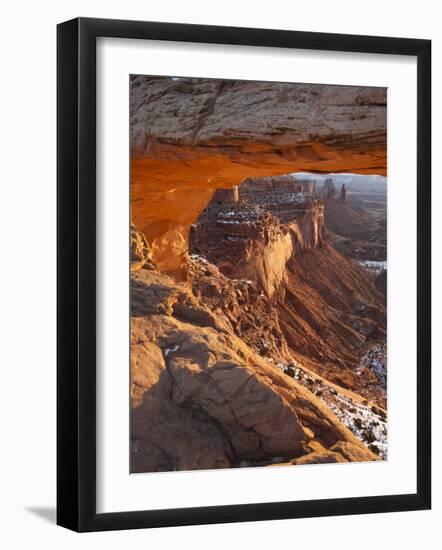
{"x":192,"y":136}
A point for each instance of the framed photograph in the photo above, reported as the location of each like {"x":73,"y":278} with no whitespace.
{"x":243,"y":274}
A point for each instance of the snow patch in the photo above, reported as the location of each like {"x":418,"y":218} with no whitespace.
{"x":176,"y":347}
{"x":375,"y":359}
{"x":365,"y":420}
{"x":198,"y":258}
{"x":375,"y":268}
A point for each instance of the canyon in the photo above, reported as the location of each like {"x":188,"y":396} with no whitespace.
{"x":255,"y":340}
{"x":271,"y":232}
{"x":262,"y":223}
{"x":357,"y":224}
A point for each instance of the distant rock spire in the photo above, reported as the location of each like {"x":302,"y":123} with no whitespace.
{"x":329,"y":190}
{"x":343,"y":197}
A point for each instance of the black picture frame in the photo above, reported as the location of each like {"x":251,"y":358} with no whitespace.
{"x":76,"y":274}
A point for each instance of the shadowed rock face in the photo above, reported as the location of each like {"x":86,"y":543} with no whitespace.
{"x":190,"y":137}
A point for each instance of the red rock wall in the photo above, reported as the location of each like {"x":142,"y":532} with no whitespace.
{"x":252,"y":231}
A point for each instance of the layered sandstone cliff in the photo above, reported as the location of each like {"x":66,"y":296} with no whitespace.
{"x":327,"y":308}
{"x":190,"y":137}
{"x":253,"y":230}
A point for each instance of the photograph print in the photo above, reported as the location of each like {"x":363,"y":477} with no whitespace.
{"x":258,"y":274}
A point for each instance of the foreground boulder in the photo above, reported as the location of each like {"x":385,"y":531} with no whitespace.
{"x":140,"y":253}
